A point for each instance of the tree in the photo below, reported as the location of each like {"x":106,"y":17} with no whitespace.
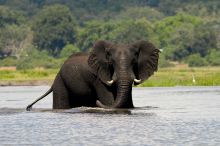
{"x":68,"y":50}
{"x":205,"y":39}
{"x":196,"y":60}
{"x":132,"y":30}
{"x":176,"y":35}
{"x":13,"y":33}
{"x":92,"y":32}
{"x":14,"y":40}
{"x":213,"y":57}
{"x":135,"y":13}
{"x":9,"y":17}
{"x":116,"y":31}
{"x":53,"y":28}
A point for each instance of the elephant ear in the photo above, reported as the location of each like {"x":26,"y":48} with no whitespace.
{"x":98,"y":60}
{"x":147,"y":60}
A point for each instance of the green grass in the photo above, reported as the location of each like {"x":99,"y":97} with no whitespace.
{"x":206,"y":76}
{"x":174,"y":76}
{"x":27,"y":75}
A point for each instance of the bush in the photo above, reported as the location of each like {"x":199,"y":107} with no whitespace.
{"x":9,"y":61}
{"x":196,"y":60}
{"x":31,"y":63}
{"x":213,"y":57}
{"x":163,"y":62}
{"x":68,"y":50}
{"x":36,"y":59}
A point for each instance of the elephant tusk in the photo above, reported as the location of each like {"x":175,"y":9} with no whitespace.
{"x":137,"y":81}
{"x":110,"y":82}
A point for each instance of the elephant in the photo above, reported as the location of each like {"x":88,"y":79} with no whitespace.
{"x":104,"y":76}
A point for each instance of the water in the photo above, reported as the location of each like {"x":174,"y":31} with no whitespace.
{"x":165,"y":116}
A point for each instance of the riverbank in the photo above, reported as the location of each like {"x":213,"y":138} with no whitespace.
{"x":175,"y":76}
{"x":32,"y":77}
{"x":184,"y":76}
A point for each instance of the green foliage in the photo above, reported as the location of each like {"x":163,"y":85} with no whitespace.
{"x":135,"y":13}
{"x":116,"y":31}
{"x":54,"y":28}
{"x":37,"y":59}
{"x":12,"y":31}
{"x":68,"y":50}
{"x":205,"y":39}
{"x":196,"y":60}
{"x":204,"y":76}
{"x":214,"y":57}
{"x":176,"y":34}
{"x":131,"y":31}
{"x":93,"y":31}
{"x":13,"y":39}
{"x":27,"y":75}
{"x":28,"y":7}
{"x":58,"y":28}
{"x":9,"y":17}
{"x":163,"y":62}
{"x":9,"y":61}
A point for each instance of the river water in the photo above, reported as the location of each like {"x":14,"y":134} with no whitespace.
{"x":164,"y":116}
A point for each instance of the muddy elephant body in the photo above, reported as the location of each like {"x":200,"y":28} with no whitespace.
{"x":75,"y":85}
{"x":103,"y":77}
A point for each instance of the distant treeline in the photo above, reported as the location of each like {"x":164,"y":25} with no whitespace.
{"x":42,"y":33}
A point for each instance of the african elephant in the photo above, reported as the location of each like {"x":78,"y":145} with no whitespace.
{"x":103,"y":77}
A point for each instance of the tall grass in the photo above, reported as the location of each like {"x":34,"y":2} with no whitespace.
{"x":26,"y":75}
{"x":174,"y":76}
{"x":205,"y":76}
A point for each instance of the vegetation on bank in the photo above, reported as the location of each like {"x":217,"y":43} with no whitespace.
{"x":42,"y":33}
{"x":27,"y":75}
{"x":184,"y":76}
{"x":172,"y":76}
{"x":36,"y":36}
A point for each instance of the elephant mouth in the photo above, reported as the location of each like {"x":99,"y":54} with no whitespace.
{"x":136,"y":81}
{"x":123,"y":81}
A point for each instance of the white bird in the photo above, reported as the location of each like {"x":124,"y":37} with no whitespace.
{"x":193,"y":79}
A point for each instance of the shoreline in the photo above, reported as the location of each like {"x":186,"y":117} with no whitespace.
{"x":26,"y":83}
{"x":164,"y":77}
{"x":50,"y":82}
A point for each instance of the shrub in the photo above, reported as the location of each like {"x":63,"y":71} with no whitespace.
{"x":163,"y":62}
{"x":68,"y":50}
{"x":36,"y":59}
{"x":195,"y":60}
{"x":9,"y":61}
{"x":213,"y":57}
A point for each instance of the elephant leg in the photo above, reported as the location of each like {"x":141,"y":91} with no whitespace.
{"x":60,"y":94}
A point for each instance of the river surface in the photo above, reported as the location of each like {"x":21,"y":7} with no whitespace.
{"x":180,"y":116}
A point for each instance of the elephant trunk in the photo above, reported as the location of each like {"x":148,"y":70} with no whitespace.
{"x":124,"y":98}
{"x":124,"y":88}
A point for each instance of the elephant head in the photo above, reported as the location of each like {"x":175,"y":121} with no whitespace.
{"x":123,"y":65}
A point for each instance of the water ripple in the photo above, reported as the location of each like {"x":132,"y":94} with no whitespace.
{"x":164,"y":116}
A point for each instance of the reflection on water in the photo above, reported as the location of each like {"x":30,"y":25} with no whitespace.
{"x":163,"y":116}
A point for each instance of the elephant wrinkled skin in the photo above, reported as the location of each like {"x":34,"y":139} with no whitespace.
{"x":103,"y":77}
